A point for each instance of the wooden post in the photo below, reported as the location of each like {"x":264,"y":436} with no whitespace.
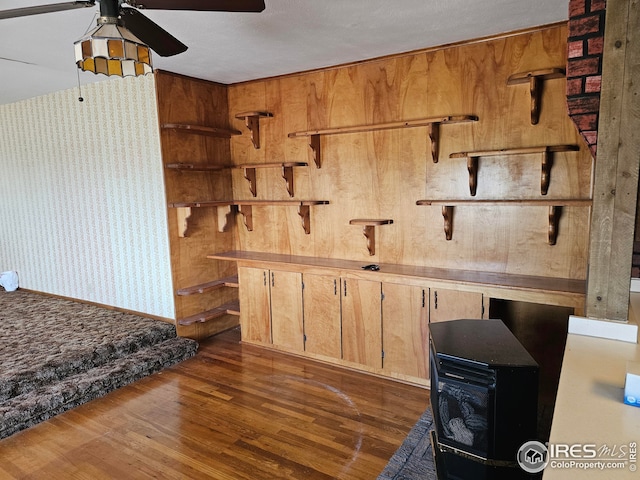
{"x":616,"y":170}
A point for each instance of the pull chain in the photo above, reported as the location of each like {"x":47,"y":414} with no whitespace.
{"x":80,"y":99}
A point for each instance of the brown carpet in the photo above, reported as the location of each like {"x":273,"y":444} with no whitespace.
{"x":56,"y":354}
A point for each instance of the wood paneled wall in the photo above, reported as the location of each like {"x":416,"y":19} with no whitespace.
{"x":185,"y":100}
{"x":383,"y":174}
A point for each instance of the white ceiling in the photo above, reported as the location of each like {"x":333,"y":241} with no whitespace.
{"x":36,"y":52}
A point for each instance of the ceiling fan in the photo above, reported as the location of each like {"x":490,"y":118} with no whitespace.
{"x":125,"y":13}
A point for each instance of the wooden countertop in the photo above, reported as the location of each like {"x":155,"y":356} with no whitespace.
{"x":558,"y":291}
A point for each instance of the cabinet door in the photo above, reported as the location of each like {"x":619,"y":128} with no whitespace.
{"x":454,"y":304}
{"x":362,"y":322}
{"x":255,"y":311}
{"x":405,"y":327}
{"x":286,"y":309}
{"x":322,"y":322}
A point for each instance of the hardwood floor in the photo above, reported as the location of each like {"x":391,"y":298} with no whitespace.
{"x":232,"y":412}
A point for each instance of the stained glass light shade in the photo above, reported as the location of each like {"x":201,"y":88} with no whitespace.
{"x":111,"y":49}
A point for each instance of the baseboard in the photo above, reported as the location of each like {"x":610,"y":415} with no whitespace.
{"x":102,"y":305}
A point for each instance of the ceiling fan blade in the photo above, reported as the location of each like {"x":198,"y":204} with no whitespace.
{"x":160,"y":41}
{"x":16,"y":61}
{"x":202,"y":5}
{"x":52,"y":7}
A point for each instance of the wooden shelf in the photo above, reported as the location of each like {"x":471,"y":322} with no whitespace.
{"x":195,"y":167}
{"x":245,"y":207}
{"x":529,"y":288}
{"x":201,"y":130}
{"x":432,"y":124}
{"x":546,"y":152}
{"x":561,"y":202}
{"x":304,"y":210}
{"x":231,"y":308}
{"x":287,"y":173}
{"x":534,"y":78}
{"x":231,"y":281}
{"x":555,"y":210}
{"x":249,"y":171}
{"x":369,"y":231}
{"x":252,"y":121}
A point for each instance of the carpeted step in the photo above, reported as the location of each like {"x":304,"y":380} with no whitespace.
{"x":66,"y":338}
{"x":47,"y":401}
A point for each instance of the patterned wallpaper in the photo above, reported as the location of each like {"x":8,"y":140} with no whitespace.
{"x":82,"y":203}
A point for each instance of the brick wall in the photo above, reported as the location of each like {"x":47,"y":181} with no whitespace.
{"x":584,"y":66}
{"x":584,"y":75}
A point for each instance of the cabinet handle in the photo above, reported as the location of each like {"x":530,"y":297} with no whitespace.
{"x":435,"y":300}
{"x":273,"y":283}
{"x":335,"y":286}
{"x":264,"y":278}
{"x":423,"y":299}
{"x":345,"y":288}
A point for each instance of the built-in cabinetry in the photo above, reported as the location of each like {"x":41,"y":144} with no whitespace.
{"x":255,"y":317}
{"x":376,"y":321}
{"x":272,"y":312}
{"x":322,"y":315}
{"x":362,"y":322}
{"x":407,"y":311}
{"x":389,"y":137}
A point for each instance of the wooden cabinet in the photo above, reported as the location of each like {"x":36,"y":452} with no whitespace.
{"x":362,"y":322}
{"x":286,"y":310}
{"x":255,"y":305}
{"x":453,"y":304}
{"x":375,"y":321}
{"x":271,"y":307}
{"x":322,"y":315}
{"x":405,"y":332}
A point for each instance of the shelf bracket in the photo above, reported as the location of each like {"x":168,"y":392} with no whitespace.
{"x":183,"y":214}
{"x":252,"y":121}
{"x":250,"y":175}
{"x":305,"y":214}
{"x":224,"y":214}
{"x":534,"y":79}
{"x":447,"y":214}
{"x":247,"y":214}
{"x":535,"y":92}
{"x":287,"y":174}
{"x":369,"y":232}
{"x":545,"y":176}
{"x":546,"y":162}
{"x":434,"y":135}
{"x":314,"y":143}
{"x":472,"y":166}
{"x":554,"y":220}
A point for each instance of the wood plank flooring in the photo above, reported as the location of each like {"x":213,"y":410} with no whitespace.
{"x":232,"y":412}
